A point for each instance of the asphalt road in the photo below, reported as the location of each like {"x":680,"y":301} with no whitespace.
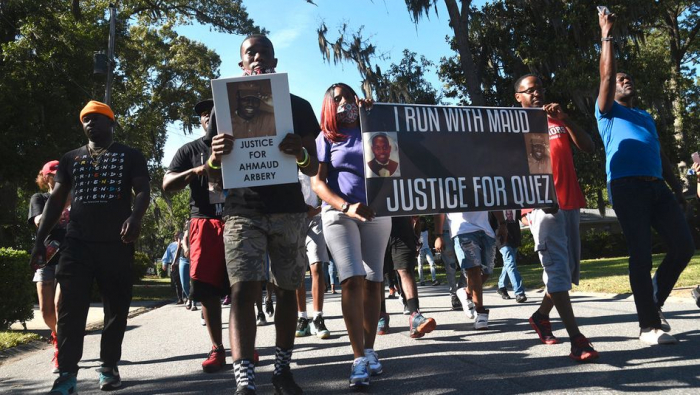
{"x":163,"y":350}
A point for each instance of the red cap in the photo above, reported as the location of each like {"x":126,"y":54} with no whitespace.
{"x":49,"y":168}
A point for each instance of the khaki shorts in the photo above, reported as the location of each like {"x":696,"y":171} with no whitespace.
{"x":248,"y":239}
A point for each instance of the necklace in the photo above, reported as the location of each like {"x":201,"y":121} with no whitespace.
{"x":96,"y":155}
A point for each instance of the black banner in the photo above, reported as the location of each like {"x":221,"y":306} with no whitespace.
{"x":434,"y":159}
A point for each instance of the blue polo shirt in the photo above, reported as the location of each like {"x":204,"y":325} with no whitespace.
{"x":631,"y":142}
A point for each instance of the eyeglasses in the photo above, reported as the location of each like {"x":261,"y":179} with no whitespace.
{"x":532,"y":91}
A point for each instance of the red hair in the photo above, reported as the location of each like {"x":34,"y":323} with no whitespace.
{"x":329,"y":109}
{"x":42,"y":181}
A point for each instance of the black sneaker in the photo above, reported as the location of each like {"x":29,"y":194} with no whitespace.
{"x":520,"y":298}
{"x":543,"y":327}
{"x":318,"y":327}
{"x":302,"y":327}
{"x":435,"y":283}
{"x":284,"y":383}
{"x":244,"y":390}
{"x":269,"y":308}
{"x":456,"y":304}
{"x":504,"y":293}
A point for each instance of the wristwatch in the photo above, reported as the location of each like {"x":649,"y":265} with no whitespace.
{"x":345,"y":207}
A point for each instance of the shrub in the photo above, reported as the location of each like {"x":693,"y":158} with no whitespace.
{"x":16,"y":287}
{"x":141,"y":264}
{"x":601,"y":244}
{"x":526,"y":251}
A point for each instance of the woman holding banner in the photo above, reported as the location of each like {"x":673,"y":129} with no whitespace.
{"x":356,"y":238}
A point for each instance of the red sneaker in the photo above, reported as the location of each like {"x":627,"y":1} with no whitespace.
{"x":582,"y":350}
{"x":215,"y":360}
{"x":54,"y":360}
{"x":543,"y":327}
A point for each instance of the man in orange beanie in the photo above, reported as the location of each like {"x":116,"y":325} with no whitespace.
{"x":100,"y":176}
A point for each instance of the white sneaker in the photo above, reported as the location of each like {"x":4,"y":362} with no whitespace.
{"x":656,"y":336}
{"x":359,"y":373}
{"x":467,"y":303}
{"x":201,"y":319}
{"x":482,"y":320}
{"x":375,"y":367}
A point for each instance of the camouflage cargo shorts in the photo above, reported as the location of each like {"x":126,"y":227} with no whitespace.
{"x":248,"y":239}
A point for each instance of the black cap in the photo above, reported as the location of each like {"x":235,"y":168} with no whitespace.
{"x":204,"y":105}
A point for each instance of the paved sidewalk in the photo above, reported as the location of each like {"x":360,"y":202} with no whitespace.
{"x":95,"y":317}
{"x":163,"y":350}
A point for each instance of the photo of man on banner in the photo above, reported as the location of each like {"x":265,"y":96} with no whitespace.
{"x":384,"y":161}
{"x":537,"y":147}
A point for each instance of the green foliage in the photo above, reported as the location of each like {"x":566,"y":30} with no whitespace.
{"x":9,"y":339}
{"x":526,"y":252}
{"x":166,"y":215}
{"x":141,"y":264}
{"x":16,"y":287}
{"x":405,"y":81}
{"x":602,"y":244}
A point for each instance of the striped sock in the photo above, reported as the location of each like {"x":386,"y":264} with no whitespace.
{"x":244,"y":371}
{"x":282,"y":360}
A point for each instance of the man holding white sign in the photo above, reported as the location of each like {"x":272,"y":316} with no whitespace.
{"x":556,"y":231}
{"x":264,"y":219}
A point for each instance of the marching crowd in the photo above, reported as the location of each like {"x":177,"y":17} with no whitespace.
{"x":242,"y":241}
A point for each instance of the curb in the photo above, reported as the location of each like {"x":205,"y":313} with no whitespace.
{"x":11,"y":354}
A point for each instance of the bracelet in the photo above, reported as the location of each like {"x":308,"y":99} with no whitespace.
{"x":213,"y":166}
{"x":608,"y":39}
{"x":307,"y":159}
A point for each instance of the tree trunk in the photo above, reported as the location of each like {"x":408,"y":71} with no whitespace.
{"x":459,"y":23}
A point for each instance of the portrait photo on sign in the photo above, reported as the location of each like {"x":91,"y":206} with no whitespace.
{"x":252,"y":111}
{"x":538,"y":159}
{"x":381,"y":154}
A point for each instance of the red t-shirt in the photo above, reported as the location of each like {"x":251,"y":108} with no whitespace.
{"x":565,"y":180}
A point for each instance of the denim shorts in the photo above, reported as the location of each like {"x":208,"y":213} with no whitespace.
{"x":46,"y":273}
{"x":558,"y":244}
{"x":476,"y":249}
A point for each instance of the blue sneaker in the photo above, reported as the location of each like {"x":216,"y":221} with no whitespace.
{"x":65,"y":384}
{"x":109,"y":378}
{"x":359,"y":374}
{"x":375,"y":367}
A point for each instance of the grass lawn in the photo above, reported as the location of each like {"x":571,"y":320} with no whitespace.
{"x":153,"y":288}
{"x":9,"y":339}
{"x":597,"y":275}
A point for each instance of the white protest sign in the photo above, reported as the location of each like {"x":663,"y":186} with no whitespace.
{"x":257,"y":112}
